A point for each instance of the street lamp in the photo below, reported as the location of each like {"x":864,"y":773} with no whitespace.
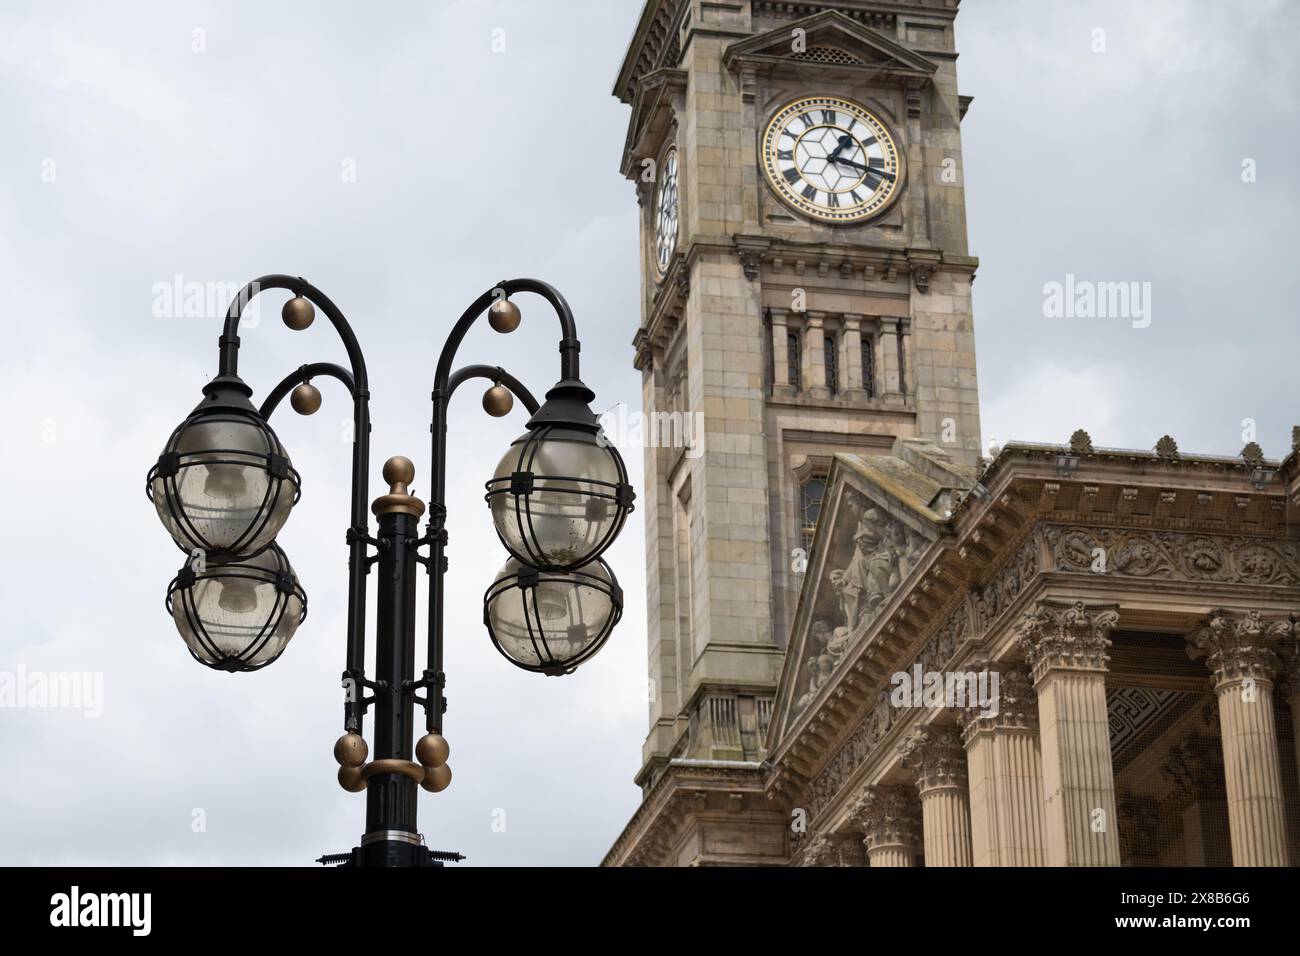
{"x":224,"y":487}
{"x":237,"y":615}
{"x":552,"y":621}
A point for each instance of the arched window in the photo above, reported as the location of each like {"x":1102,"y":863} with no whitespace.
{"x":830,"y":354}
{"x":868,"y":367}
{"x":811,"y":493}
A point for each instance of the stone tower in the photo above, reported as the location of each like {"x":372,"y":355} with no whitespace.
{"x":806,"y":291}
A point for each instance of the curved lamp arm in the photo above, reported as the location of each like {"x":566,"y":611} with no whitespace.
{"x":305,"y":373}
{"x":497,"y":375}
{"x":358,"y":383}
{"x":444,"y":384}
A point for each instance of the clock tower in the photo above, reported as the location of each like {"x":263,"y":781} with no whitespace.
{"x":806,"y":291}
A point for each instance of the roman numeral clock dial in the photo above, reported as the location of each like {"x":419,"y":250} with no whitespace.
{"x":831,"y":159}
{"x":666,"y":212}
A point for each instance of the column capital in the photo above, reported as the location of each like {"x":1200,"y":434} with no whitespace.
{"x":815,"y":319}
{"x":937,"y":758}
{"x":778,"y":316}
{"x":888,"y":816}
{"x":852,"y":321}
{"x":1240,"y":645}
{"x":1017,"y":705}
{"x":821,"y":852}
{"x":1064,"y":635}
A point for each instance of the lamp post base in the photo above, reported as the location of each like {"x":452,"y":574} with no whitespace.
{"x":391,"y":848}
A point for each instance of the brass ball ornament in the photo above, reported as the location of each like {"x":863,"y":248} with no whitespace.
{"x":298,"y":313}
{"x":497,"y":401}
{"x":432,"y":750}
{"x":351,"y":751}
{"x":305,"y":399}
{"x":436,"y":779}
{"x":504,"y":316}
{"x":351,"y":779}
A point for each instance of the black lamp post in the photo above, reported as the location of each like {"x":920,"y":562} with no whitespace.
{"x":224,"y":487}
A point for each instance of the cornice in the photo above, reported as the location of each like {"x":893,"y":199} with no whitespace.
{"x":666,"y":806}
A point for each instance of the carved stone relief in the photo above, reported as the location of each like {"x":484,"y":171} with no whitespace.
{"x":871,"y":553}
{"x":1175,"y":556}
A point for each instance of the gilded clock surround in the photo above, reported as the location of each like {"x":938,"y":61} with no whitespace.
{"x":791,"y":183}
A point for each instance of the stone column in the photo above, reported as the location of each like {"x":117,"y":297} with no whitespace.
{"x":814,"y":355}
{"x":906,"y":384}
{"x":1066,"y":647}
{"x":1240,"y":650}
{"x":939,"y":762}
{"x":781,"y":384}
{"x":1293,"y":701}
{"x":1006,"y":777}
{"x":851,"y":350}
{"x":890,"y":824}
{"x":888,"y":348}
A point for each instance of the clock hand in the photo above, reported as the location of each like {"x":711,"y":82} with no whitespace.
{"x":844,"y":141}
{"x":848,"y":162}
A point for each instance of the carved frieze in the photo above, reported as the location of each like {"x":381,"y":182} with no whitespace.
{"x":1172,"y":555}
{"x":1007,"y":585}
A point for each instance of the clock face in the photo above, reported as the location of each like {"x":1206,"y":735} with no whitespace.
{"x":666,"y":212}
{"x":831,"y":159}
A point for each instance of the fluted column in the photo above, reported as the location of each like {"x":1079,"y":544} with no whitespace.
{"x":1066,"y":645}
{"x":890,"y":824}
{"x":939,"y":762}
{"x":1240,"y":649}
{"x":1293,"y":700}
{"x":1006,"y":777}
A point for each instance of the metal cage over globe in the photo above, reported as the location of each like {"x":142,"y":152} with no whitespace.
{"x":559,"y":497}
{"x":238,"y":615}
{"x":549,"y":622}
{"x":224,"y":485}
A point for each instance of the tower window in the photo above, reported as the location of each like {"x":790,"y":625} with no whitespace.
{"x":831,"y":355}
{"x":793,"y":356}
{"x":811,"y":493}
{"x":868,"y":367}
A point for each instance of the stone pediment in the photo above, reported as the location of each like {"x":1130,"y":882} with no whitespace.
{"x":831,"y":40}
{"x":880,"y":516}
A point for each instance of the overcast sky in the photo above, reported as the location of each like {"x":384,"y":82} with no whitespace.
{"x":392,"y":158}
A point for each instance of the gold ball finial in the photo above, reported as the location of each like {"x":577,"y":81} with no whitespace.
{"x":351,"y":779}
{"x":305,"y":399}
{"x":432,"y":750}
{"x":436,"y":779}
{"x":351,"y":750}
{"x":504,"y":316}
{"x":497,"y":401}
{"x":298,"y":313}
{"x":399,"y":472}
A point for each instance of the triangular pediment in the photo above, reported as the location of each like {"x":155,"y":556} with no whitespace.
{"x":880,"y":517}
{"x":830,"y":39}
